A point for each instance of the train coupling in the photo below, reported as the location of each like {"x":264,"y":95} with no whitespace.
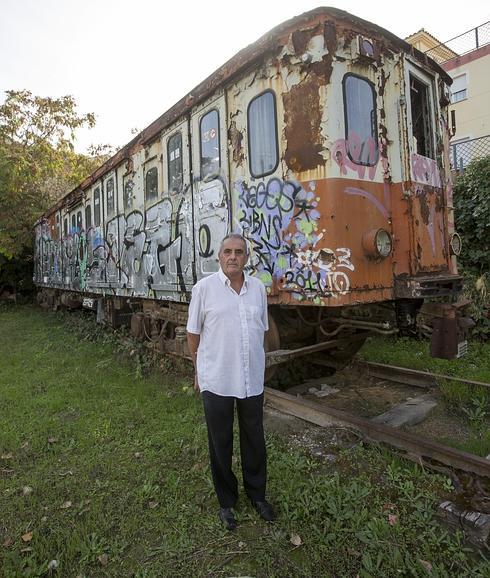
{"x":450,"y":328}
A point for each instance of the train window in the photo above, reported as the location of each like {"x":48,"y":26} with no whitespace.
{"x":174,"y":161}
{"x":88,"y":217}
{"x":73,"y":223}
{"x":210,"y":157}
{"x":97,"y":207}
{"x":79,"y":220}
{"x":360,"y":120}
{"x":58,"y":231}
{"x":151,"y":183}
{"x":262,"y":135}
{"x":109,"y":187}
{"x":128,"y":194}
{"x":65,"y":227}
{"x":420,"y":108}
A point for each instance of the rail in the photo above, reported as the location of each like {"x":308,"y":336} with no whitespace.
{"x":461,"y":44}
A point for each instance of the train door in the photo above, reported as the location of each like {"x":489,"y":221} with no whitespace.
{"x":210,"y":182}
{"x":426,"y":197}
{"x":176,"y":252}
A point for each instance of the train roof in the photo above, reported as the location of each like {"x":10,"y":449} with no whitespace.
{"x":269,"y":43}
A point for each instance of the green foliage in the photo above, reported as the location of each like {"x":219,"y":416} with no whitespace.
{"x":37,"y":162}
{"x":472,"y":215}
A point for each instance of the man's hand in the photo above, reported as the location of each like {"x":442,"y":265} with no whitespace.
{"x":196,"y":383}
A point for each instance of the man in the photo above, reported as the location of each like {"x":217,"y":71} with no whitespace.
{"x":225,"y":334}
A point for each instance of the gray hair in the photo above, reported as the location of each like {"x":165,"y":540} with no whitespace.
{"x":234,"y":236}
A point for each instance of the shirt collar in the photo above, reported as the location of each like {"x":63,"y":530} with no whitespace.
{"x":225,"y":280}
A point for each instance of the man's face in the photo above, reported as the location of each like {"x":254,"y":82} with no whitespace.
{"x":233,"y":257}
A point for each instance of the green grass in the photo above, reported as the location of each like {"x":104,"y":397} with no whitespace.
{"x":106,"y":473}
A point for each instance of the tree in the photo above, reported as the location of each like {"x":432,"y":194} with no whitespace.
{"x":38,"y":163}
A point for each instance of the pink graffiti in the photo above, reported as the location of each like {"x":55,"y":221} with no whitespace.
{"x":349,"y":153}
{"x":425,"y":171}
{"x":370,"y":197}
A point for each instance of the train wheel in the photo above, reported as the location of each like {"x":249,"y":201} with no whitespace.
{"x":272,"y":342}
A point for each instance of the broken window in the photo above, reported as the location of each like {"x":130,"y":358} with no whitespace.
{"x":360,"y":120}
{"x":97,"y":207}
{"x":128,"y":194}
{"x":420,"y":107}
{"x":174,"y":162}
{"x":262,"y":135}
{"x":151,"y":184}
{"x":109,"y":187}
{"x":210,"y":157}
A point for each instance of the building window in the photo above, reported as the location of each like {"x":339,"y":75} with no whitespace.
{"x":151,"y":184}
{"x":421,"y":109}
{"x":459,"y":88}
{"x":88,"y":217}
{"x":262,"y":135}
{"x":360,"y":120}
{"x":174,"y":162}
{"x":209,"y":131}
{"x":97,"y":207}
{"x":109,"y":187}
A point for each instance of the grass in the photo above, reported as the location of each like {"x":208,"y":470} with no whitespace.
{"x":472,"y":403}
{"x":104,"y":472}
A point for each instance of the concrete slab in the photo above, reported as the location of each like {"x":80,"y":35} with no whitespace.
{"x":410,"y":412}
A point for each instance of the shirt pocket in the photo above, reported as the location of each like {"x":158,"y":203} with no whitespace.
{"x":254,"y":317}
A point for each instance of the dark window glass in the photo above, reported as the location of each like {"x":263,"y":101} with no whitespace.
{"x":174,"y":161}
{"x":73,"y":223}
{"x":97,"y":207}
{"x":421,"y":118}
{"x":79,"y":220}
{"x":65,"y":227}
{"x":360,"y":120}
{"x":58,"y":231}
{"x":109,"y":187}
{"x":210,"y":157}
{"x":128,"y":194}
{"x":262,"y":135}
{"x":88,"y":217}
{"x":151,"y":184}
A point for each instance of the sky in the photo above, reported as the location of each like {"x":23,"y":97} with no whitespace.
{"x":130,"y":61}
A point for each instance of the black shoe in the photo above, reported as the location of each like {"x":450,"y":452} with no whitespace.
{"x":265,"y":510}
{"x":228,"y":518}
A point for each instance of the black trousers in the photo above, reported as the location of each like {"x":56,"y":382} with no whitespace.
{"x":219,"y":411}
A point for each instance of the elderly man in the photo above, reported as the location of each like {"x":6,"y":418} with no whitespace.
{"x":225,"y":334}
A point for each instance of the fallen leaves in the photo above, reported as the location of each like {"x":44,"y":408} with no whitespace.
{"x":66,"y":505}
{"x":27,"y":537}
{"x":26,"y":490}
{"x":52,"y":440}
{"x":103,"y":559}
{"x":6,"y":456}
{"x":295,"y":540}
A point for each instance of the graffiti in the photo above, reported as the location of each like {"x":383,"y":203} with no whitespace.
{"x":205,"y":242}
{"x":425,"y":171}
{"x":280,"y":220}
{"x":356,"y":156}
{"x":140,"y":252}
{"x":370,"y":197}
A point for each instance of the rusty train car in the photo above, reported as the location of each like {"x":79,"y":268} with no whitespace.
{"x":326,"y":144}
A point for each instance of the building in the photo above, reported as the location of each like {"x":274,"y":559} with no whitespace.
{"x":466,"y":58}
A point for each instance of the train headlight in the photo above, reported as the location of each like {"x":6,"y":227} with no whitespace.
{"x":455,"y":243}
{"x":377,"y":243}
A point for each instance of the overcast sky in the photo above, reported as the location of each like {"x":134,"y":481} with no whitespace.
{"x":129,"y":61}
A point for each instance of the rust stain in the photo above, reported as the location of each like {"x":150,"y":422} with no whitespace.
{"x":302,"y":117}
{"x":235,"y":138}
{"x":424,"y":207}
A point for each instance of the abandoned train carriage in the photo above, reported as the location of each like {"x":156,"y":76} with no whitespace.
{"x":325,"y":143}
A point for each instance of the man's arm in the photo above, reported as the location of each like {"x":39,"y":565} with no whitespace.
{"x":193,"y":344}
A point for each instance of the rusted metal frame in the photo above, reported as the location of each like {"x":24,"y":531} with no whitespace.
{"x":283,"y":355}
{"x":323,"y":415}
{"x":416,"y":372}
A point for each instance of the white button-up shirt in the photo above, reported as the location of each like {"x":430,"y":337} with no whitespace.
{"x":231,"y":357}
